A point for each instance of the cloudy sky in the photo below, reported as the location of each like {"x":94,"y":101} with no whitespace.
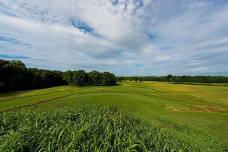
{"x":127,"y":37}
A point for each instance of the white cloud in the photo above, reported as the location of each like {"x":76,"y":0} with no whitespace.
{"x":190,"y":37}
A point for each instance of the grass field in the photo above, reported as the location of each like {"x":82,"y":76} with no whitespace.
{"x":195,"y":114}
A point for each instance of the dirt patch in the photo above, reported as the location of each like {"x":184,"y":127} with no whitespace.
{"x":210,"y":109}
{"x":196,"y":109}
{"x":175,"y":109}
{"x":62,"y":89}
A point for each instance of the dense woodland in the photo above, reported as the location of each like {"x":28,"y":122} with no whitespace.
{"x":179,"y":79}
{"x":14,"y":75}
{"x":81,"y":78}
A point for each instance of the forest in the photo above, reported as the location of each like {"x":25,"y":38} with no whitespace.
{"x":178,"y":79}
{"x":14,"y":75}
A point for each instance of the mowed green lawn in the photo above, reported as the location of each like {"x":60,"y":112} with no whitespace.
{"x":197,"y":114}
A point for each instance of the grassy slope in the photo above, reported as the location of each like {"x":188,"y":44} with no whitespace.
{"x":196,"y":113}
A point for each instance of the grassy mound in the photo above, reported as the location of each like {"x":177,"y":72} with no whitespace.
{"x":90,"y":129}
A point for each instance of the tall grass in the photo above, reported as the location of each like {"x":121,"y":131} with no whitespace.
{"x":88,"y":129}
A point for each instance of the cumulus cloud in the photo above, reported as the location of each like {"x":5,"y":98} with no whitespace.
{"x":127,"y":37}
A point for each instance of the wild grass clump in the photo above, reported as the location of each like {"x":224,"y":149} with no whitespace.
{"x":88,"y":129}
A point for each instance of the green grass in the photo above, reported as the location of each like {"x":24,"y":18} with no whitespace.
{"x":90,"y":129}
{"x":194,"y":114}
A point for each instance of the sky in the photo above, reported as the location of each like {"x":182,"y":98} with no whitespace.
{"x":126,"y":37}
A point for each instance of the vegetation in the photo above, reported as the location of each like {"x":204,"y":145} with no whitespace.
{"x":169,"y":78}
{"x":15,"y":76}
{"x":168,"y":116}
{"x":81,"y":78}
{"x":179,"y":79}
{"x":196,"y":115}
{"x":90,"y":129}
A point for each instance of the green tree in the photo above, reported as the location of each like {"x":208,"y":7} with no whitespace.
{"x":169,"y":78}
{"x":108,"y":79}
{"x":14,"y":75}
{"x":68,"y":77}
{"x":94,"y":78}
{"x":80,"y":78}
{"x":136,"y":79}
{"x":18,"y":64}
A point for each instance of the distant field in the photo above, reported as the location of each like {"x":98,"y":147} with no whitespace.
{"x":197,"y":114}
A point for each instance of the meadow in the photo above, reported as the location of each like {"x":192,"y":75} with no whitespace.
{"x":192,"y":115}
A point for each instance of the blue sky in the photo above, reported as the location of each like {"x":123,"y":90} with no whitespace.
{"x":127,"y":37}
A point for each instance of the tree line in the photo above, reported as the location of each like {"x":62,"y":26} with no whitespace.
{"x":178,"y":79}
{"x":81,"y":78}
{"x":14,"y":75}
